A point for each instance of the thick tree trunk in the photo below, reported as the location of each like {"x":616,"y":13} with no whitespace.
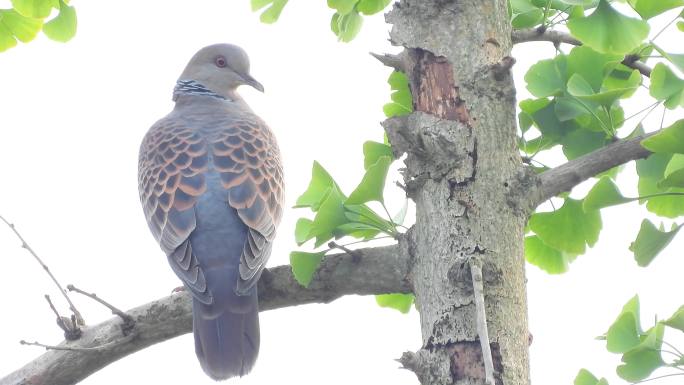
{"x":462,"y":158}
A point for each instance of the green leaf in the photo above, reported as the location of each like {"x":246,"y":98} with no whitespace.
{"x":569,"y":228}
{"x":650,"y":241}
{"x":604,"y":194}
{"x":371,"y":7}
{"x":23,"y":28}
{"x":356,"y":230}
{"x":675,"y":179}
{"x":373,"y":183}
{"x":547,"y":77}
{"x":547,"y":258}
{"x":579,"y":88}
{"x":271,"y":14}
{"x":580,"y":142}
{"x":372,"y":151}
{"x":63,"y":27}
{"x":398,"y":301}
{"x":606,"y":30}
{"x":363,"y":214}
{"x":528,"y":108}
{"x":304,"y":265}
{"x":348,"y":26}
{"x":525,"y":14}
{"x":402,"y":102}
{"x":677,"y":320}
{"x":302,"y":230}
{"x":393,"y":109}
{"x":568,"y":108}
{"x":320,"y":185}
{"x":675,"y":58}
{"x":585,"y":3}
{"x":342,"y":7}
{"x":624,"y":334}
{"x":584,"y":377}
{"x":651,"y":172}
{"x":335,"y":24}
{"x":668,"y":140}
{"x":665,"y":85}
{"x":551,"y":128}
{"x":398,"y":80}
{"x":330,"y":216}
{"x":641,"y":361}
{"x":591,"y":65}
{"x":623,"y":77}
{"x":38,"y":9}
{"x":650,"y":8}
{"x":7,"y":39}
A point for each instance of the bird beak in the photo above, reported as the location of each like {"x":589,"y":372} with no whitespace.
{"x":250,"y":81}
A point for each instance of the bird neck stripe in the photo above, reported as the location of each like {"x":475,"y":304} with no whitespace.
{"x":192,"y":87}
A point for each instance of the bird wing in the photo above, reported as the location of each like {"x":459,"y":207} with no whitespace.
{"x":247,"y":157}
{"x":172,"y":165}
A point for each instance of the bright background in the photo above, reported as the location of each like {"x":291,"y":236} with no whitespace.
{"x":71,"y":120}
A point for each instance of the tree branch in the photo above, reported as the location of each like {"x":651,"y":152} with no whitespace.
{"x":371,"y":271}
{"x":558,"y":37}
{"x":566,"y":176}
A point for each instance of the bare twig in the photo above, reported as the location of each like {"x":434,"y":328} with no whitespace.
{"x":129,"y":322}
{"x":478,"y":294}
{"x":68,"y":325}
{"x":101,"y":348}
{"x":26,"y":246}
{"x":558,"y":37}
{"x":381,"y":270}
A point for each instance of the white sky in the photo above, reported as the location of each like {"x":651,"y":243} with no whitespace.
{"x":71,"y":120}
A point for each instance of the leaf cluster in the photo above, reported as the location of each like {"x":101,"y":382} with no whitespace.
{"x":27,"y":18}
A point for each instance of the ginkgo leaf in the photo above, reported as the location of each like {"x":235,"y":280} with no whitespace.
{"x":607,"y":30}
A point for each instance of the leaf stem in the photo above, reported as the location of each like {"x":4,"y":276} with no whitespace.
{"x":664,"y":28}
{"x":658,"y":378}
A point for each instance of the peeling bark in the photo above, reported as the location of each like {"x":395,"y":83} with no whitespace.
{"x":461,"y":156}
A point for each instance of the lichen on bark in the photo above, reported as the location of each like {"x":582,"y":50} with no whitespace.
{"x":461,"y":156}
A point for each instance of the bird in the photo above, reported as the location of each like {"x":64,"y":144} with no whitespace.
{"x":210,"y":180}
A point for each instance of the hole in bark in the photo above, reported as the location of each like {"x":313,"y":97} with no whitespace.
{"x":466,"y":361}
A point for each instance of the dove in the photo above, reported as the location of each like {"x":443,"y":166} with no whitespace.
{"x":211,"y":185}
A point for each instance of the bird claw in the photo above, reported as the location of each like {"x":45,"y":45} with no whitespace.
{"x":179,"y":289}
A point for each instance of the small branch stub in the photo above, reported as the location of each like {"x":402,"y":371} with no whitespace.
{"x":69,"y":326}
{"x":129,"y":322}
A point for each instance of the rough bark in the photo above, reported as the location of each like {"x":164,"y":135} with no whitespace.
{"x":369,"y":271}
{"x":566,"y":176}
{"x":461,"y":158}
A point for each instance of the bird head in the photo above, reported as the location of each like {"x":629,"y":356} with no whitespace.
{"x":221,"y":68}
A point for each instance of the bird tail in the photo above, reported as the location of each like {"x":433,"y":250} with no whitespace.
{"x":226,"y":335}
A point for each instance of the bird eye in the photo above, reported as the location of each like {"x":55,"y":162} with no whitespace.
{"x":220,"y":61}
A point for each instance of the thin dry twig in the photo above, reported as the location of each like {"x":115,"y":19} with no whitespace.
{"x":70,"y":327}
{"x":129,"y":322}
{"x":100,"y":348}
{"x":26,"y":246}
